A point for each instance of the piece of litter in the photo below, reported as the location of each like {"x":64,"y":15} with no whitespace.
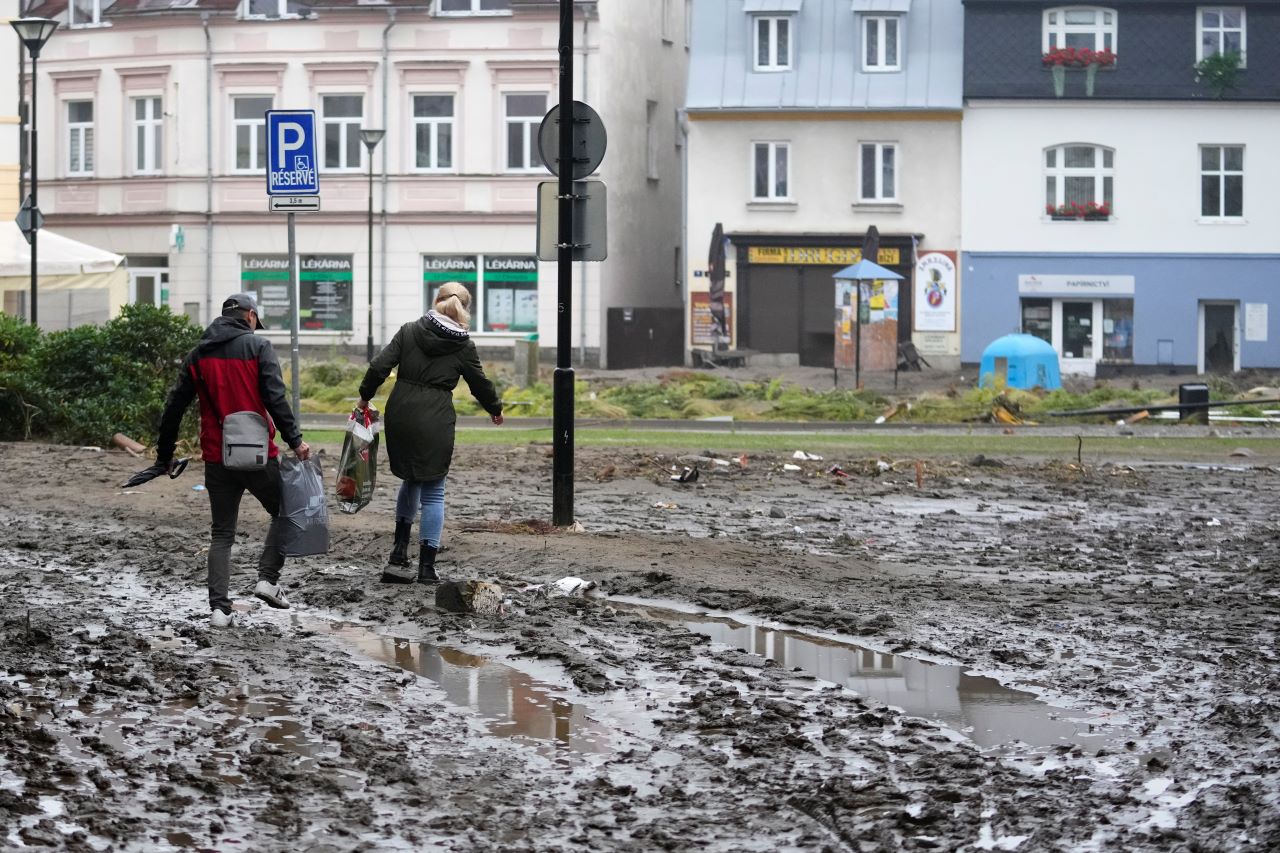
{"x":1213,"y":522}
{"x":688,"y":475}
{"x":883,"y":466}
{"x":724,"y":462}
{"x":799,"y":530}
{"x":808,"y":457}
{"x":576,"y":527}
{"x":92,"y":449}
{"x":742,"y":461}
{"x":837,"y":471}
{"x":665,"y":505}
{"x":198,"y":487}
{"x":790,"y":467}
{"x":567,"y":588}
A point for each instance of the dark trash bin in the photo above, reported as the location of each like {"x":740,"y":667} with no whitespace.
{"x":1196,"y":395}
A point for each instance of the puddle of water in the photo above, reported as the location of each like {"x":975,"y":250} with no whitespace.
{"x":981,"y":708}
{"x":512,"y":703}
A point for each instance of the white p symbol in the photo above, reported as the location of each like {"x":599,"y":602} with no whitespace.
{"x":290,"y":137}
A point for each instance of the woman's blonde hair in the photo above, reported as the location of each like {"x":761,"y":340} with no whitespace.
{"x":453,"y":300}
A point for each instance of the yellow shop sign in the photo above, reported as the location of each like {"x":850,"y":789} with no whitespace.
{"x":816,"y":255}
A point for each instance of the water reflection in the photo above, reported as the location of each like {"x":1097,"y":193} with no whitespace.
{"x":987,"y":712}
{"x":511,"y":702}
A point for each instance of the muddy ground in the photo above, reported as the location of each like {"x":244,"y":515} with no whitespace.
{"x":1133,"y":607}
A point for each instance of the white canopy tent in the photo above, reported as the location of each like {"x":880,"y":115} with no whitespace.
{"x":77,"y":283}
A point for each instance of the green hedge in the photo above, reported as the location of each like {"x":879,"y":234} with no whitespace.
{"x":85,"y":384}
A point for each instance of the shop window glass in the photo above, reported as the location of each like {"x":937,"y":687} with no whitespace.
{"x":1037,"y":318}
{"x":1117,"y":330}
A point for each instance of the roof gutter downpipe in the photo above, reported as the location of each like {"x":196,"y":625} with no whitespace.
{"x":382,"y":252}
{"x":208,"y":175}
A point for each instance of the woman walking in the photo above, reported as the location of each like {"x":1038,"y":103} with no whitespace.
{"x":431,"y":353}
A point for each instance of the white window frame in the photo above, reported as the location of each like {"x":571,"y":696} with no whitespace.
{"x":1221,"y":173}
{"x":772,"y":43}
{"x":148,"y":152}
{"x":1221,"y":30}
{"x":258,"y":157}
{"x":98,"y":7}
{"x":881,"y":25}
{"x":529,"y":136}
{"x":282,"y":11}
{"x":771,"y":178}
{"x":1055,"y":24}
{"x":1098,"y":171}
{"x":879,"y":197}
{"x":348,"y":125}
{"x":474,"y":10}
{"x":434,"y":123}
{"x":83,"y":129}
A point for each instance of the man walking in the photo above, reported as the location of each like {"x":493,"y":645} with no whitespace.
{"x":232,"y":371}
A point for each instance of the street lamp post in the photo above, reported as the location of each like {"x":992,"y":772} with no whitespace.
{"x":370,"y":138}
{"x":34,"y":32}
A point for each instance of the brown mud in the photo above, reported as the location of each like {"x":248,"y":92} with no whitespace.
{"x":1028,"y":657}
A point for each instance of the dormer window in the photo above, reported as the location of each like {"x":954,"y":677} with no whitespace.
{"x":1081,"y":27}
{"x":773,"y":43}
{"x":1220,"y":30}
{"x":473,"y":7}
{"x":87,"y":13}
{"x":881,"y":24}
{"x":272,"y":9}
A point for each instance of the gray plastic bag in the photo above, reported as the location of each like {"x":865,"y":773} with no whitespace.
{"x":304,"y":514}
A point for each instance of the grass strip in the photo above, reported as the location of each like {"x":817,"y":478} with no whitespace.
{"x":1137,"y":447}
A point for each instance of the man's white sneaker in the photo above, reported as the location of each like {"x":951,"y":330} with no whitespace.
{"x":272,"y":594}
{"x":218,"y":619}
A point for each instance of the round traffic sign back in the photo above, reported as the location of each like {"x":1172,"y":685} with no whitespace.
{"x":589,"y":140}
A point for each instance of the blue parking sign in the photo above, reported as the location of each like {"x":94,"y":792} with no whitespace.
{"x":292,"y":169}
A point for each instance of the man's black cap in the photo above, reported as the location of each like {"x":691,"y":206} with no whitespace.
{"x":242,"y":302}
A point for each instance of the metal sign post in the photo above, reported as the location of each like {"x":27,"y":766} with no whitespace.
{"x":293,"y":184}
{"x":562,"y":385}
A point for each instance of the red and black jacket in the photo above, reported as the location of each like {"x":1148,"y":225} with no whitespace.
{"x":240,"y":372}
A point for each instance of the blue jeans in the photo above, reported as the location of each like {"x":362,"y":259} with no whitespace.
{"x":429,"y":494}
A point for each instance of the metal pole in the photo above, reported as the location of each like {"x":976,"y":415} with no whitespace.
{"x":35,"y":184}
{"x":562,"y":385}
{"x":368,"y":350}
{"x":293,"y":320}
{"x":857,"y":339}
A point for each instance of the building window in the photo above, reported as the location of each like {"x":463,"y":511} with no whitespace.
{"x":433,"y":132}
{"x":148,"y":136}
{"x":342,"y":117}
{"x":651,"y":140}
{"x":879,"y":170}
{"x":87,"y":13}
{"x":249,"y":122}
{"x":773,"y":44}
{"x":881,"y":43}
{"x":1080,"y":27}
{"x":1037,"y":318}
{"x":1222,"y":181}
{"x":524,"y":114}
{"x":272,"y":9}
{"x":504,"y":288}
{"x":1079,"y":181}
{"x":473,"y":7}
{"x":1220,"y":30}
{"x":79,"y":137}
{"x":771,"y":171}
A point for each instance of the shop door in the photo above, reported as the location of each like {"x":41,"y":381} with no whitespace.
{"x":770,"y":317}
{"x":817,"y":316}
{"x":1077,"y":342}
{"x":1218,"y":338}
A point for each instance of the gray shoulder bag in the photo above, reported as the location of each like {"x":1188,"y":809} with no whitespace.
{"x":246,"y":439}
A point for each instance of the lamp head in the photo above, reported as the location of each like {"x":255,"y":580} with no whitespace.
{"x":371,"y":138}
{"x":34,"y":32}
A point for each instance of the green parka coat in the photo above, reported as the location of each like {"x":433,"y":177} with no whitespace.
{"x":431,"y":353}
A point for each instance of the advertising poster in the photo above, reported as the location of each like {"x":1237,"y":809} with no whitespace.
{"x":935,"y":292}
{"x":324,"y":290}
{"x":702,"y":326}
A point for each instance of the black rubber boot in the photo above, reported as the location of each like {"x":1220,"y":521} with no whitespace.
{"x":400,"y":548}
{"x":427,"y":565}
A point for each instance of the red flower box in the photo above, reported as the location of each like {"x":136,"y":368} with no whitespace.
{"x":1078,"y":57}
{"x":1075,"y":210}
